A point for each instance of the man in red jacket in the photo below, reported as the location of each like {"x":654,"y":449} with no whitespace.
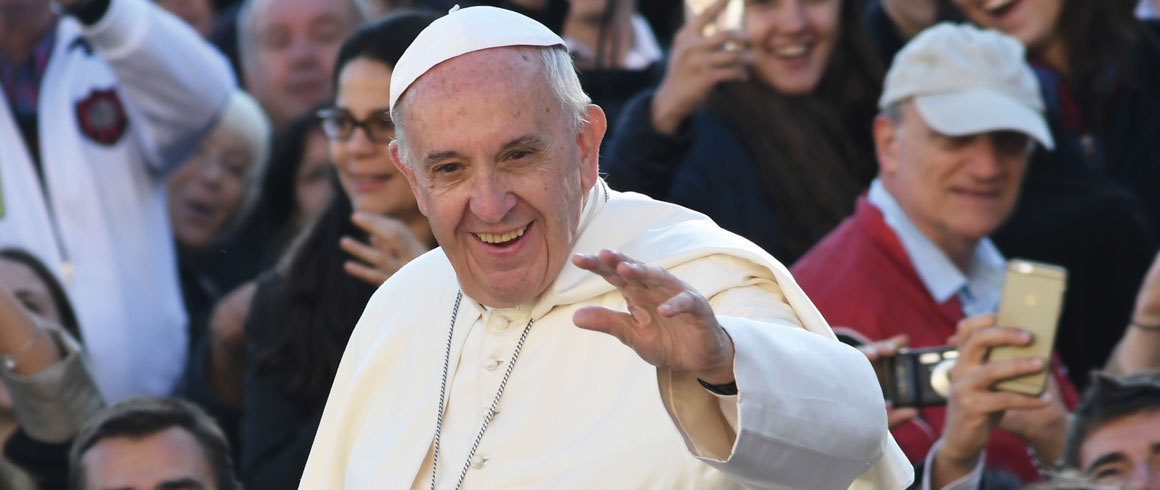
{"x":961,"y":112}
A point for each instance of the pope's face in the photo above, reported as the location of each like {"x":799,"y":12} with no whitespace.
{"x":497,"y":171}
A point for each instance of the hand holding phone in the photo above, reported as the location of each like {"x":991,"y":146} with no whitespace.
{"x":1032,"y":300}
{"x":731,"y":16}
{"x":974,"y":408}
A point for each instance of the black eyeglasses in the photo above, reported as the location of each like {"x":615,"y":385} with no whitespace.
{"x":339,"y":125}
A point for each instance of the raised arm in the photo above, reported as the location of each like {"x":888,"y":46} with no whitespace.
{"x":173,"y":77}
{"x":1139,"y":348}
{"x":796,"y":390}
{"x":52,"y":392}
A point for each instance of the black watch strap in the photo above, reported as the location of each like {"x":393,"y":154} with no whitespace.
{"x":89,"y":12}
{"x":727,"y":389}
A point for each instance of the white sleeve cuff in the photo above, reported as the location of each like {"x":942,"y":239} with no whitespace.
{"x":970,"y":481}
{"x":121,"y":29}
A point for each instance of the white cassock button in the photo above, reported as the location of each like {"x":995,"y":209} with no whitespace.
{"x":491,"y":363}
{"x":502,"y":323}
{"x":477,"y":461}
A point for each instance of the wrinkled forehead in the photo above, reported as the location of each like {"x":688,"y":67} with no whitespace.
{"x":267,"y":14}
{"x":509,"y":70}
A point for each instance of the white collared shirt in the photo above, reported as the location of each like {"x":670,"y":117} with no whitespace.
{"x":978,"y":289}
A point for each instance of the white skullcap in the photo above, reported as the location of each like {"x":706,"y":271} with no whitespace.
{"x":463,"y":31}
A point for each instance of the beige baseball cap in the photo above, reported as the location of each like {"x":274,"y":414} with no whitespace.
{"x":463,"y":31}
{"x":965,"y":80}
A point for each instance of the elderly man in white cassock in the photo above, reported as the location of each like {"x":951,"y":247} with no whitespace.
{"x":568,"y":336}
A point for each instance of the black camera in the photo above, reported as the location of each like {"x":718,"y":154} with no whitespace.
{"x":919,"y":377}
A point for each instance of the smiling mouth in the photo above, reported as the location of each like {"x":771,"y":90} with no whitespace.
{"x":792,"y":50}
{"x":999,"y":8}
{"x":502,"y":239}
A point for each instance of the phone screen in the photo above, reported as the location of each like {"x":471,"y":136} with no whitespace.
{"x":1032,"y":300}
{"x":732,"y":18}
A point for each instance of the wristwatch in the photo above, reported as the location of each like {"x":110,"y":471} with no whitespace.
{"x":727,"y":389}
{"x":86,"y":11}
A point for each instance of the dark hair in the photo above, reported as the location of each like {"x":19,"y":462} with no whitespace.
{"x":814,"y":153}
{"x":136,"y":418}
{"x":384,"y":40}
{"x":324,"y":302}
{"x":1106,"y":399}
{"x":262,"y":238}
{"x":280,"y":203}
{"x":1099,"y":37}
{"x":68,"y":317}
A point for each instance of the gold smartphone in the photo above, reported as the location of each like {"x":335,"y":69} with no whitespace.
{"x":732,"y":18}
{"x":1032,"y":300}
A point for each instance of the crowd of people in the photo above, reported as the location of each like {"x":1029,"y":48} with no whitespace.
{"x":230,"y":231}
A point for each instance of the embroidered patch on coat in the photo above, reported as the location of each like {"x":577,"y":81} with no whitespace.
{"x":102,"y":117}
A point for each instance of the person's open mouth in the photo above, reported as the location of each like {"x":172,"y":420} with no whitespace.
{"x":505,"y":239}
{"x":999,"y":8}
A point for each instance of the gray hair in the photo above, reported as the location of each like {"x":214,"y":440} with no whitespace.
{"x":560,"y":73}
{"x":893,"y":111}
{"x":244,"y":118}
{"x":245,"y":28}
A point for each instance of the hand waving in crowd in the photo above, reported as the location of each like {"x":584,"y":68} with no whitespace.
{"x":391,"y":246}
{"x":668,"y":324}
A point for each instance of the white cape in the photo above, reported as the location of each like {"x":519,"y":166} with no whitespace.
{"x":581,"y":410}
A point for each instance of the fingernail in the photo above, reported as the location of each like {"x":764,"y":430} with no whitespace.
{"x":1035,"y":363}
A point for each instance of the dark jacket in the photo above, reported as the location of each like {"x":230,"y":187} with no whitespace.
{"x":277,"y":432}
{"x":704,"y":167}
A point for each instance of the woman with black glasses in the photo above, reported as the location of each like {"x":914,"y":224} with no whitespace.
{"x":304,"y":309}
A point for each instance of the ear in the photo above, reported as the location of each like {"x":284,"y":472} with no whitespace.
{"x":886,"y":144}
{"x":420,"y":197}
{"x":589,"y":139}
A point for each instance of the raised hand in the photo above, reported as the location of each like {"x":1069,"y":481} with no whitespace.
{"x":974,"y":409}
{"x":697,"y":64}
{"x":391,"y":246}
{"x":1139,"y":348}
{"x":668,"y":324}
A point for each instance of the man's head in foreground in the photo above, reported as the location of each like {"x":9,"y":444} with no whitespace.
{"x":500,"y":148}
{"x":151,"y":444}
{"x":960,"y":110}
{"x":1115,"y":432}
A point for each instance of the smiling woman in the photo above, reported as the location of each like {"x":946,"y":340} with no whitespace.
{"x":772,"y":140}
{"x":304,"y":309}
